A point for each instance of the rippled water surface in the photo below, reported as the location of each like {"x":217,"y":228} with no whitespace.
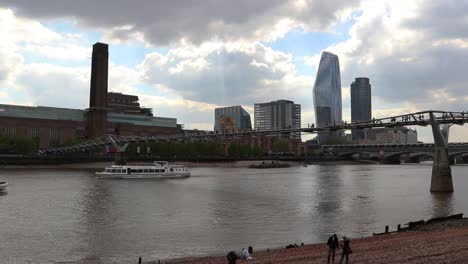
{"x":51,"y":216}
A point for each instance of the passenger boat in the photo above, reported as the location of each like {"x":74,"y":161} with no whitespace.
{"x":160,"y":169}
{"x":3,"y":186}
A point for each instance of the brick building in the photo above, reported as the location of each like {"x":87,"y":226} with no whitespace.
{"x":108,"y":113}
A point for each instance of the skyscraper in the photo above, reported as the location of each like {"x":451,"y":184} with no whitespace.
{"x":278,"y":115}
{"x":232,"y":118}
{"x":361,"y":109}
{"x":327,"y":93}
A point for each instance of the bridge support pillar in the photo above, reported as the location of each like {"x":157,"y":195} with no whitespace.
{"x":441,"y":180}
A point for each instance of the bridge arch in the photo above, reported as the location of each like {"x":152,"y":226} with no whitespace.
{"x":456,"y":154}
{"x":421,"y":155}
{"x":396,"y":155}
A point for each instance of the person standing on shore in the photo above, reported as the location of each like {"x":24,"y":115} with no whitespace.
{"x":250,"y":249}
{"x":333,"y":245}
{"x":232,"y":257}
{"x":346,"y":249}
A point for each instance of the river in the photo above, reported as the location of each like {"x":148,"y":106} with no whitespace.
{"x":60,"y":215}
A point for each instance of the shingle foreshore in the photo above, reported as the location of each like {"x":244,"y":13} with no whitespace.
{"x":443,"y":244}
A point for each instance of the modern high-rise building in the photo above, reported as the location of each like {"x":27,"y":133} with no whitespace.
{"x":232,"y":118}
{"x":327,"y":94}
{"x":361,"y":108}
{"x":278,"y":115}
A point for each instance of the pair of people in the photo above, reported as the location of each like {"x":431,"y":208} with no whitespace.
{"x":245,"y":254}
{"x":333,"y":245}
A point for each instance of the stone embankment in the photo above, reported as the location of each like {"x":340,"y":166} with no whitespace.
{"x":438,"y":240}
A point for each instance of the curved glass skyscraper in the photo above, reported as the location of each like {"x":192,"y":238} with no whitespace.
{"x":327,"y":93}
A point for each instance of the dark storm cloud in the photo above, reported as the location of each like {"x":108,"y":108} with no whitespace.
{"x":165,"y":21}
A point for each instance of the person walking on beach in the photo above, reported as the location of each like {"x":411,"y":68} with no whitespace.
{"x":346,"y":249}
{"x":232,"y":257}
{"x":333,"y":245}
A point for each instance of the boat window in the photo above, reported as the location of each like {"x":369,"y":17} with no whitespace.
{"x":145,"y":171}
{"x":140,"y":170}
{"x":172,"y":169}
{"x":113,"y":171}
{"x":134,"y":170}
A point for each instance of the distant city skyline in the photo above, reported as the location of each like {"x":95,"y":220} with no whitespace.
{"x":185,"y":65}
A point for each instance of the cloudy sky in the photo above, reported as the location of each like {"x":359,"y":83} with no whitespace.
{"x":184,"y":58}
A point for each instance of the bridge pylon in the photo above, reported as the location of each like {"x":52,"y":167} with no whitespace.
{"x":441,"y":180}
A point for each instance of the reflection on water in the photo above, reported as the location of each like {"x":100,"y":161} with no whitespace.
{"x":442,"y":204}
{"x":68,"y":215}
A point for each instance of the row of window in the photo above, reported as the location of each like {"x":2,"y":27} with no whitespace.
{"x":135,"y":170}
{"x":33,"y":132}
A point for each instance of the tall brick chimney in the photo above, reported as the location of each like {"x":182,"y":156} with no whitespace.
{"x":97,"y":112}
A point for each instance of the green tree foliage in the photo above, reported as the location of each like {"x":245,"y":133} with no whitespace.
{"x":280,"y":145}
{"x":17,"y":145}
{"x":336,"y":141}
{"x":194,"y":150}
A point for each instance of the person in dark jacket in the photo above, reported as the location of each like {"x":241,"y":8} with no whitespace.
{"x":333,"y":245}
{"x":346,"y":249}
{"x":250,"y":249}
{"x":232,"y":257}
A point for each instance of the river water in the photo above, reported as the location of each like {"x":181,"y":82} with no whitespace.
{"x":57,"y":215}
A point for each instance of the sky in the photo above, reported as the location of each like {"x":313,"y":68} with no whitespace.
{"x":184,"y":58}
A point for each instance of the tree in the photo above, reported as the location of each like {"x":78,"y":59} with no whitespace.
{"x":18,"y":145}
{"x":280,"y":145}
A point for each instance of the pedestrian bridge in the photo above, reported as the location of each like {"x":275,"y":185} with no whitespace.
{"x":440,"y":122}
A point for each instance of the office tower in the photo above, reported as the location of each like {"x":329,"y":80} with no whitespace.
{"x":327,"y":94}
{"x":279,"y":114}
{"x":232,"y":118}
{"x":361,"y":109}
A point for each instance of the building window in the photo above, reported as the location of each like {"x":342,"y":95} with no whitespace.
{"x":34,"y":132}
{"x":54,"y":136}
{"x":9,"y":131}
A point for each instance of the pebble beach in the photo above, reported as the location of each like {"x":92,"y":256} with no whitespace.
{"x":437,"y":243}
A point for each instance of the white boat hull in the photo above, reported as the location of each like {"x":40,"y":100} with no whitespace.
{"x":159,"y":170}
{"x":103,"y":175}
